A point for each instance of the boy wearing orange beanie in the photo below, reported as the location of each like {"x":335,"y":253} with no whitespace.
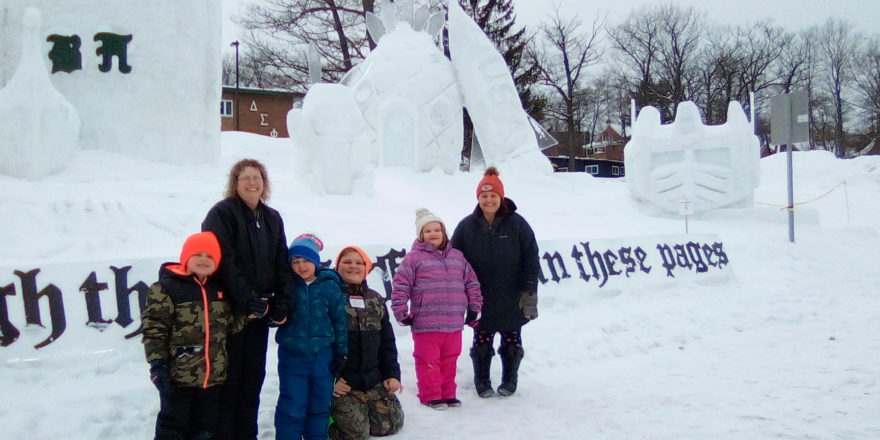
{"x":185,"y":322}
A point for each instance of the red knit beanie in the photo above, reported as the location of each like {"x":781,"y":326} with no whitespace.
{"x":491,"y":183}
{"x":202,"y":242}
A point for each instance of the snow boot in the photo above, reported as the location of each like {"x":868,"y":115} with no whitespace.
{"x":511,"y":356}
{"x":482,"y":358}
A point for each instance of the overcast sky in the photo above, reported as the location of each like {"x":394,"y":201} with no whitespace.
{"x":791,"y":14}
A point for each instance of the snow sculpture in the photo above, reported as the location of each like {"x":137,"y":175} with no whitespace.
{"x":410,"y":97}
{"x":407,"y":91}
{"x":706,"y":166}
{"x":329,"y":130}
{"x":40,"y":128}
{"x":146,"y":80}
{"x":502,"y":127}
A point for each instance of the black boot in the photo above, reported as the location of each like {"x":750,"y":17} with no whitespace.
{"x":511,"y":356}
{"x":482,"y":357}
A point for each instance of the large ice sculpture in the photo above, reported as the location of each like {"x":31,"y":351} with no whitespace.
{"x":39,"y":129}
{"x":408,"y":93}
{"x":330,"y":132}
{"x":146,"y":81}
{"x":706,"y":166}
{"x":501,"y":125}
{"x":410,"y":96}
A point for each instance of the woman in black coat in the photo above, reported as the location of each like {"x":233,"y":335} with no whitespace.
{"x":501,"y":247}
{"x":254,"y":272}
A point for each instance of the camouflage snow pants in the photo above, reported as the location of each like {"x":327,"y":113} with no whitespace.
{"x":358,"y":415}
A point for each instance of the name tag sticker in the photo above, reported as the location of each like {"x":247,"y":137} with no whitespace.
{"x":357,"y":302}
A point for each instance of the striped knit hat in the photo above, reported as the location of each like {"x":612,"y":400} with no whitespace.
{"x":306,"y":246}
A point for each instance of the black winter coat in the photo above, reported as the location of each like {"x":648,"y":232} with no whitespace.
{"x":505,"y":257}
{"x":372,"y":348}
{"x":254,"y":247}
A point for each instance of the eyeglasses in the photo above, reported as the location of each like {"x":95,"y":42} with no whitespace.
{"x":251,"y":179}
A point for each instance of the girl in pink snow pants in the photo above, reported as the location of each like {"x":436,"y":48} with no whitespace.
{"x":436,"y":292}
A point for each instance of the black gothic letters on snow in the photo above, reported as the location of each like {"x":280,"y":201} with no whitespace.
{"x":66,"y":57}
{"x":594,"y":265}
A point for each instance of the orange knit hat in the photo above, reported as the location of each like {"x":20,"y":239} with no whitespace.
{"x":364,"y":256}
{"x":202,"y":242}
{"x":491,"y":183}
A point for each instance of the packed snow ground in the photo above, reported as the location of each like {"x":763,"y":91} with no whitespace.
{"x":790,"y":348}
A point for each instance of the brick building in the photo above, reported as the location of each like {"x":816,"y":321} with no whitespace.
{"x":601,"y":158}
{"x":260,"y":111}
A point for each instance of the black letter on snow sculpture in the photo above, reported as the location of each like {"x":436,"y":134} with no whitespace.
{"x":388,"y":264}
{"x":576,"y":254}
{"x":668,"y":259}
{"x":113,"y":44}
{"x":8,"y":332}
{"x":627,"y":260}
{"x":91,"y":289}
{"x":594,"y":257}
{"x":123,"y":317}
{"x":552,"y":260}
{"x":65,"y":54}
{"x":722,"y":256}
{"x":695,"y":256}
{"x":609,"y":255}
{"x":641,"y":255}
{"x":681,"y":256}
{"x":709,"y":252}
{"x":32,"y":305}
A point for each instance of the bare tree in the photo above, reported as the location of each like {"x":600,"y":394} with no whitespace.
{"x":636,"y":42}
{"x":564,"y":54}
{"x":793,"y":65}
{"x":680,"y":33}
{"x":836,"y":46}
{"x":714,"y":73}
{"x":658,"y":44}
{"x":281,"y":30}
{"x":762,"y":46}
{"x":867,"y":83}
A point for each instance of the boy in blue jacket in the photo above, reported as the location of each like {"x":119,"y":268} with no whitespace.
{"x":312,"y":345}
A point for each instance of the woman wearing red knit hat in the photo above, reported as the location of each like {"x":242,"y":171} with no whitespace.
{"x":500,"y":246}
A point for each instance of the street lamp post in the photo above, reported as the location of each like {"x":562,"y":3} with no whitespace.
{"x":237,"y":125}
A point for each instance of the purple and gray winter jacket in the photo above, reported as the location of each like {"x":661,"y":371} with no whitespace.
{"x":439,"y":284}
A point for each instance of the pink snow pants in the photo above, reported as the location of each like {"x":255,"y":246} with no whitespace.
{"x":436,"y":354}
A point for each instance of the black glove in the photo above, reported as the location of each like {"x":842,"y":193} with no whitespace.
{"x":159,"y":375}
{"x":277,"y":311}
{"x":407,"y":321}
{"x":336,"y":365}
{"x":528,"y":302}
{"x":472,"y":318}
{"x":257,"y":306}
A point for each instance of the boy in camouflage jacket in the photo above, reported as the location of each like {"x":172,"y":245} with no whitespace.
{"x":364,"y":401}
{"x":185,"y":324}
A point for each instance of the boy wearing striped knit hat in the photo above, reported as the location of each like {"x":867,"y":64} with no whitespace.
{"x":436,"y":292}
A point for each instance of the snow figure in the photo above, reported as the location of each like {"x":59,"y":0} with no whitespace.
{"x":410,"y":94}
{"x":502,"y":127}
{"x":706,"y":167}
{"x":40,"y":128}
{"x":330,"y":130}
{"x":407,"y":91}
